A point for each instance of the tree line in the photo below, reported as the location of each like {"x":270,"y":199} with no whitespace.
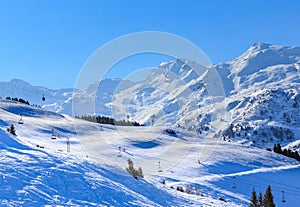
{"x":286,"y":152}
{"x":108,"y":120}
{"x":260,"y":201}
{"x":20,"y":100}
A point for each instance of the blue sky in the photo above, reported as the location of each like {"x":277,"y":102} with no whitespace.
{"x":47,"y":42}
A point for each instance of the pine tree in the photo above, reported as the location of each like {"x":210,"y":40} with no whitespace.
{"x":12,"y":130}
{"x":132,"y":171}
{"x":140,"y":172}
{"x":275,"y":149}
{"x":260,"y":200}
{"x":279,"y":150}
{"x":253,"y":202}
{"x":268,"y":199}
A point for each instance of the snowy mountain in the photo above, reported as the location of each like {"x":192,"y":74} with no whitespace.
{"x":55,"y":99}
{"x":261,"y":88}
{"x":60,"y":100}
{"x":264,"y":100}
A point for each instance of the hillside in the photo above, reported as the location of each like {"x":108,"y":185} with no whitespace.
{"x":37,"y":170}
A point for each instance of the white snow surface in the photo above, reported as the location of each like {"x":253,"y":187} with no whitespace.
{"x":47,"y":176}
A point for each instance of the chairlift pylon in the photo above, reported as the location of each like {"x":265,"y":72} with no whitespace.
{"x":159,"y":167}
{"x":283,"y":199}
{"x":233,"y":184}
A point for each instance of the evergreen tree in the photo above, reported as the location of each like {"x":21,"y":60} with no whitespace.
{"x":179,"y":188}
{"x":253,"y":202}
{"x":279,"y":149}
{"x":132,"y":171}
{"x":268,"y":199}
{"x":12,"y":130}
{"x":260,"y":200}
{"x":275,"y":149}
{"x":140,"y":172}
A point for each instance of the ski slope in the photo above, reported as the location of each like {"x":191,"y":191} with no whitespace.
{"x":36,"y":170}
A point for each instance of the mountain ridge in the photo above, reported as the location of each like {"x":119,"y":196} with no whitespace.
{"x":248,"y":81}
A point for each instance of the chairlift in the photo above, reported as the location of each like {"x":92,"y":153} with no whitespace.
{"x":53,"y":135}
{"x":233,"y":184}
{"x":119,"y":153}
{"x":283,"y":199}
{"x":43,"y":98}
{"x":159,"y":167}
{"x":21,"y":121}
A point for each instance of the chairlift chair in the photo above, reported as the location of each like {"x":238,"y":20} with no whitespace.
{"x":21,"y":121}
{"x":119,"y":153}
{"x":233,"y":184}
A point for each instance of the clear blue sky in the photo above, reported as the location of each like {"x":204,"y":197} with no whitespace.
{"x":47,"y":42}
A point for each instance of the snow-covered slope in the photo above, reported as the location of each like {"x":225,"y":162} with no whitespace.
{"x":37,"y":170}
{"x":264,"y":102}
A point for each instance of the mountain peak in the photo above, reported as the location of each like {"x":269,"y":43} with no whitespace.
{"x":18,"y":82}
{"x":262,"y":55}
{"x":260,"y":46}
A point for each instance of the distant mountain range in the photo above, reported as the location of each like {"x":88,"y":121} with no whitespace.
{"x":262,"y":89}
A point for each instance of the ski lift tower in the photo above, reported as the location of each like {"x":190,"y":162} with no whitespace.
{"x":152,"y":119}
{"x":68,"y":145}
{"x":283,"y":199}
{"x":233,"y":183}
{"x":159,"y":167}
